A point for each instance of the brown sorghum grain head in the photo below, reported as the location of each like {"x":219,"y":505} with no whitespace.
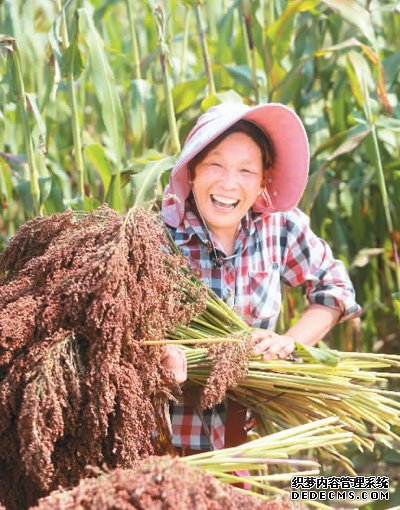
{"x":230,"y":364}
{"x":160,"y":482}
{"x":77,"y":386}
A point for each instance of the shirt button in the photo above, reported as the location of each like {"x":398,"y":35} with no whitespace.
{"x":227,"y":293}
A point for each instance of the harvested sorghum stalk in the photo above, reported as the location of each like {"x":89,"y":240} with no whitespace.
{"x":78,"y":295}
{"x":157,"y":484}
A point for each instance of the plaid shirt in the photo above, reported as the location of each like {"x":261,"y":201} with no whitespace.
{"x":269,"y":250}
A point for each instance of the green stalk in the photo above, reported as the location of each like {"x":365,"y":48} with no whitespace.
{"x":382,"y":186}
{"x":271,"y":13}
{"x":185,"y":43}
{"x":131,"y":5}
{"x":212,"y":18}
{"x":7,"y":198}
{"x":244,"y":32}
{"x":33,"y":171}
{"x":76,"y":131}
{"x":250,"y":49}
{"x":160,"y":19}
{"x":204,"y":49}
{"x":137,"y":75}
{"x":264,"y":42}
{"x":385,"y":203}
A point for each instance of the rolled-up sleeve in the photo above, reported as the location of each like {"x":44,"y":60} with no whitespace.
{"x":308,"y":261}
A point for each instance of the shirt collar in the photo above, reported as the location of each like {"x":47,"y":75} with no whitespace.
{"x":193,"y":225}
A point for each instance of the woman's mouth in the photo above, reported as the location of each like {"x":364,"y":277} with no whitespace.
{"x":224,"y":203}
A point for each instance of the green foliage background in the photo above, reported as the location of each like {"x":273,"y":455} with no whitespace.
{"x":95,"y":97}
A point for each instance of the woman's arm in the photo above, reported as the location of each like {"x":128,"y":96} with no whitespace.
{"x":314,"y":324}
{"x":308,"y":261}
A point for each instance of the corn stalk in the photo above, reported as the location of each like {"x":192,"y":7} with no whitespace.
{"x":70,"y":74}
{"x":161,"y":27}
{"x":8,"y":45}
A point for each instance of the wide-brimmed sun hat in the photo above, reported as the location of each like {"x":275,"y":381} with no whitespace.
{"x":286,"y":178}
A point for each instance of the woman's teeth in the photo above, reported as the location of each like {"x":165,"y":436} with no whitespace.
{"x":223,"y":202}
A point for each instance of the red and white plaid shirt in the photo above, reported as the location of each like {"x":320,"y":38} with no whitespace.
{"x":270,"y":250}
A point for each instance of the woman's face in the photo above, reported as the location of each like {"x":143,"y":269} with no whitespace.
{"x":227,"y":182}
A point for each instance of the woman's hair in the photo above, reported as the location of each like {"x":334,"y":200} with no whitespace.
{"x":242,"y":126}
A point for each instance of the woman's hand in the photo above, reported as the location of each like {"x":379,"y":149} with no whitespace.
{"x":174,"y":359}
{"x":315,"y":323}
{"x":271,"y":345}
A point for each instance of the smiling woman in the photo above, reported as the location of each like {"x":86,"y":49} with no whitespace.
{"x":226,"y":183}
{"x":234,"y":163}
{"x":231,"y":208}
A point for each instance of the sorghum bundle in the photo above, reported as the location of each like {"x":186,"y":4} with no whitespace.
{"x":317,"y":383}
{"x":166,"y":482}
{"x":78,"y":296}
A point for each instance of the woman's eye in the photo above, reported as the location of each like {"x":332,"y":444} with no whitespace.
{"x":246,"y":171}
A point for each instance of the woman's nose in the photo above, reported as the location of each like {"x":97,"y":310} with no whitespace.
{"x":230,"y":177}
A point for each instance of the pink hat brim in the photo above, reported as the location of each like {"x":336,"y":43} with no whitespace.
{"x":286,"y":179}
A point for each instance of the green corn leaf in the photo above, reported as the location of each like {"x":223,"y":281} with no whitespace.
{"x":229,"y":96}
{"x":39,"y":130}
{"x":90,"y":203}
{"x":359,"y":74}
{"x":225,"y":41}
{"x":241,"y":74}
{"x":317,"y":354}
{"x":107,"y":94}
{"x":287,"y":85}
{"x":45,"y":188}
{"x":388,"y":123}
{"x":55,"y":34}
{"x":187,"y":93}
{"x":144,"y":183}
{"x":344,"y":45}
{"x":280,"y":33}
{"x":142,"y":113}
{"x":54,"y":201}
{"x":104,"y":83}
{"x":391,"y":66}
{"x":8,"y":51}
{"x":114,"y":196}
{"x":351,"y":139}
{"x":191,"y":3}
{"x":5,"y":180}
{"x":72,"y":62}
{"x":354,"y":13}
{"x":23,"y":188}
{"x":55,"y":44}
{"x":365,"y":255}
{"x":98,"y":157}
{"x":209,"y":101}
